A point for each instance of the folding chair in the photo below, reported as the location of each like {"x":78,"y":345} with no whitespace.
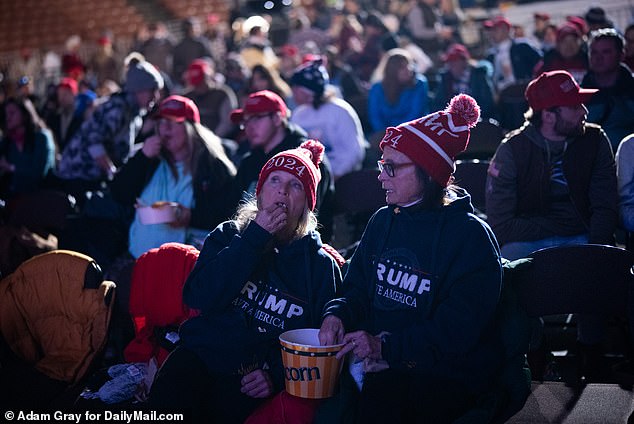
{"x":586,"y":278}
{"x":592,"y":279}
{"x":512,"y":104}
{"x":484,"y":140}
{"x":357,"y":196}
{"x":472,"y":176}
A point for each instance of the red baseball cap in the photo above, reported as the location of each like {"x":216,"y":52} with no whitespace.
{"x":455,"y":52}
{"x":197,"y":71}
{"x":259,"y":103}
{"x":556,"y":88}
{"x":497,"y":21}
{"x":179,"y":109}
{"x":69,"y":83}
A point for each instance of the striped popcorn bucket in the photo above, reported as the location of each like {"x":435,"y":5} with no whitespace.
{"x":310,"y":370}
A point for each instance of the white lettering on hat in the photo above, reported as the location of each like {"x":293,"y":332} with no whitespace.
{"x":437,"y":127}
{"x":395,"y":140}
{"x":287,"y":163}
{"x":431,"y":144}
{"x":453,"y":128}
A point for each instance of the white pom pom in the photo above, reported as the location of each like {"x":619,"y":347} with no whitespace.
{"x":466,"y":107}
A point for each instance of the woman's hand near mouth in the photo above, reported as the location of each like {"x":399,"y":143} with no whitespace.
{"x":272,"y":218}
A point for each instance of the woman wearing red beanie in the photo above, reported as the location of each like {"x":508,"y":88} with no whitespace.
{"x":417,"y":304}
{"x":258,"y":275}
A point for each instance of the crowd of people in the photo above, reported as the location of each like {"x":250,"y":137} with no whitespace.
{"x":239,"y":143}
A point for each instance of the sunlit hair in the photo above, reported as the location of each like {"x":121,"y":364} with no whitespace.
{"x":199,"y":139}
{"x":387,"y":72}
{"x":249,"y":208}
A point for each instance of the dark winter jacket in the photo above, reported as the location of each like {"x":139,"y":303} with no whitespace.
{"x":248,"y":294}
{"x":518,"y":197}
{"x":111,"y":129}
{"x":612,"y":107}
{"x":432,"y":278}
{"x":524,"y":58}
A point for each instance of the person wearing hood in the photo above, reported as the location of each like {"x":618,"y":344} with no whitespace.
{"x":258,"y":275}
{"x":417,"y":305}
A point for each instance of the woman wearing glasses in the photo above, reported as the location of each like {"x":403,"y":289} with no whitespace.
{"x":417,"y":304}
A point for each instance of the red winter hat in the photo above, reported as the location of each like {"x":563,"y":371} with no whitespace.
{"x":556,"y":88}
{"x":433,"y":141}
{"x":259,"y":103}
{"x":69,"y":83}
{"x":179,"y":109}
{"x":302,"y":162}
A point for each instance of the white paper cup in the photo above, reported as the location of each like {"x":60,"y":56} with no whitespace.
{"x":164,"y":213}
{"x":310,"y":370}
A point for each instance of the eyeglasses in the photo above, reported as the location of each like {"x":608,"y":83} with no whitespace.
{"x":254,"y":118}
{"x":389,"y":167}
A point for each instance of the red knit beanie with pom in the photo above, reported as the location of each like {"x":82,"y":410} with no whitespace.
{"x":302,"y":162}
{"x":433,"y":141}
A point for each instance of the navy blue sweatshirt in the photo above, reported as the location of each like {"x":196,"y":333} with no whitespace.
{"x":432,"y":278}
{"x":249,"y":293}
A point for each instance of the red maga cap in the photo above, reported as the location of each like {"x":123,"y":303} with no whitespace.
{"x":259,"y":103}
{"x":179,"y":109}
{"x":556,"y":88}
{"x":497,"y":21}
